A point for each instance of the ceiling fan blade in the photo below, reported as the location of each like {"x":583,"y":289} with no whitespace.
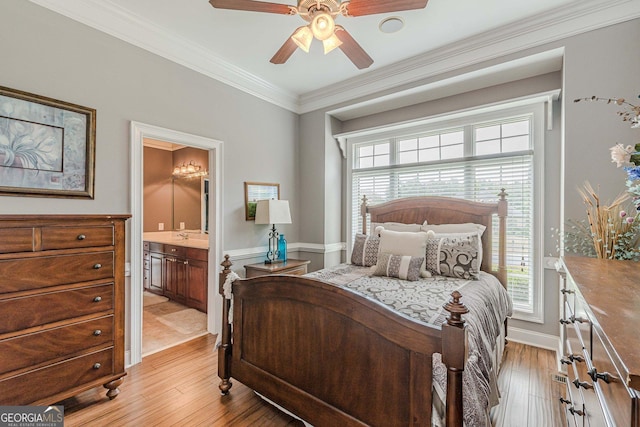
{"x":253,"y":6}
{"x":286,"y":50}
{"x":371,"y":7}
{"x":352,"y":49}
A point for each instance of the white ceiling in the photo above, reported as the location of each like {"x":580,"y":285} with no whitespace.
{"x":235,"y":46}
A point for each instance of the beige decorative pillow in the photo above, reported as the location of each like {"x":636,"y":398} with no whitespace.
{"x":467,"y":227}
{"x":405,"y":243}
{"x":395,"y":226}
{"x":365,"y":250}
{"x":403,"y":267}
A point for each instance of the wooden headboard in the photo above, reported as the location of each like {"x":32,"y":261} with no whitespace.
{"x":449,"y":210}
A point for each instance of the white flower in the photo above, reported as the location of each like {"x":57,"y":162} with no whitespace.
{"x":621,"y":155}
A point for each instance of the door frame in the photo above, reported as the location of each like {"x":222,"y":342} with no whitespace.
{"x":140,"y":131}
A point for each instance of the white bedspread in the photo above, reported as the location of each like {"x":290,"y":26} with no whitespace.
{"x":423,"y":300}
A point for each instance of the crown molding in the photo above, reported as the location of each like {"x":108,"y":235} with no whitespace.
{"x":117,"y":22}
{"x":572,"y":19}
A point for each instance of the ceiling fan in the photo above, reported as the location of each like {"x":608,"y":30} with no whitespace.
{"x":321,"y":16}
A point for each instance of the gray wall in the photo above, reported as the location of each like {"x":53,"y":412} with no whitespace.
{"x":602,"y":62}
{"x":47,"y":54}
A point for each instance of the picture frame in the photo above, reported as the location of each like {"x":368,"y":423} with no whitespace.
{"x":47,"y":146}
{"x":254,"y":191}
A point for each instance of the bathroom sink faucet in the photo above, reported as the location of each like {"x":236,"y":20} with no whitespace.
{"x":184,"y":236}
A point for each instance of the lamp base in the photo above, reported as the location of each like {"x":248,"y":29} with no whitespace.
{"x":275,"y":261}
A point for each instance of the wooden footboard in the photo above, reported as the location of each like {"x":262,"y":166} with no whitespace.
{"x":333,"y":357}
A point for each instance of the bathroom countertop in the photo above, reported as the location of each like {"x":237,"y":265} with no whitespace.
{"x":199,"y":240}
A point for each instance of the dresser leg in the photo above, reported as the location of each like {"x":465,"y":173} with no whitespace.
{"x":113,"y":388}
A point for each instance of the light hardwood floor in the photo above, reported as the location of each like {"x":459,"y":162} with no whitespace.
{"x":179,"y":387}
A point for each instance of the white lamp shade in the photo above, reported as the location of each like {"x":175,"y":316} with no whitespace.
{"x":273,"y":212}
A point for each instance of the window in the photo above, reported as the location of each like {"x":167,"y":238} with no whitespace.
{"x":473,"y":160}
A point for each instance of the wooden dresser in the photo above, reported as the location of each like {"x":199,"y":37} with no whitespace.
{"x":61,"y":306}
{"x":601,"y":342}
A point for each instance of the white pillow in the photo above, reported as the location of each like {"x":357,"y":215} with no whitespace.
{"x":395,"y":226}
{"x":467,"y":227}
{"x":405,"y":243}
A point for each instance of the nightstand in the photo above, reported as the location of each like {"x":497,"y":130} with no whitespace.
{"x":295,"y":267}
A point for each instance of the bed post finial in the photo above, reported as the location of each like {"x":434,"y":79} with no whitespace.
{"x":456,"y":309}
{"x":224,"y":350}
{"x":454,"y":355}
{"x":363,"y":213}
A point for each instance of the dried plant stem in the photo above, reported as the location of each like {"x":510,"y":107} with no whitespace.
{"x":605,"y":223}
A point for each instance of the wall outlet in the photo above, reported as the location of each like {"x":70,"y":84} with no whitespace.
{"x":161,"y":226}
{"x":182,"y":226}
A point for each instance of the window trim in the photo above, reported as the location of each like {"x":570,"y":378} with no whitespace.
{"x":536,"y":108}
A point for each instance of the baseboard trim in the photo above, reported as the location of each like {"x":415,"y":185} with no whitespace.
{"x":535,"y":339}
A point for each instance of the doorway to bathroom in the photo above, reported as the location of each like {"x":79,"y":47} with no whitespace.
{"x":175,"y":238}
{"x":175,"y":244}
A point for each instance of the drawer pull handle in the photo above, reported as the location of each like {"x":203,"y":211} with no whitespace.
{"x":81,"y":237}
{"x":567,"y":291}
{"x":576,"y":358}
{"x":97,"y":299}
{"x":565,"y":361}
{"x":578,"y":319}
{"x":186,"y":262}
{"x":173,"y":249}
{"x":582,"y":384}
{"x":565,"y":401}
{"x":96,"y":366}
{"x":97,"y":266}
{"x":564,"y":321}
{"x":575,"y":411}
{"x":605,"y":376}
{"x":97,"y":332}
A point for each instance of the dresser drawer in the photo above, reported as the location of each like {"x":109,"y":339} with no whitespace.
{"x":76,"y":237}
{"x":37,"y":310}
{"x":16,"y":240}
{"x":615,"y":396}
{"x":35,"y":273}
{"x":32,"y":386}
{"x":33,"y":349}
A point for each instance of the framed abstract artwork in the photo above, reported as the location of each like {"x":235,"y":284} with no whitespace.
{"x":254,"y":191}
{"x":47,"y":147}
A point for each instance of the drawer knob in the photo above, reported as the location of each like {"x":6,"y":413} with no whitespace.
{"x":96,"y":366}
{"x":567,"y":291}
{"x":81,"y":237}
{"x":604,"y":376}
{"x":173,"y":249}
{"x":97,"y":299}
{"x":97,"y":332}
{"x":186,"y":262}
{"x":575,"y":411}
{"x":578,"y":319}
{"x":582,"y":384}
{"x":576,"y":358}
{"x":97,"y":266}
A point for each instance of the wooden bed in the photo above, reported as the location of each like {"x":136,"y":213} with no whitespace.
{"x":333,"y":357}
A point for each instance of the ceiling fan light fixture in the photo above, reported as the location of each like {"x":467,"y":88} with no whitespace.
{"x":323,"y":26}
{"x":303,"y":37}
{"x":331,"y":43}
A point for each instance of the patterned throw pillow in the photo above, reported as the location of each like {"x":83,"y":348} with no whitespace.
{"x":403,"y":267}
{"x":455,"y":255}
{"x":365,"y":250}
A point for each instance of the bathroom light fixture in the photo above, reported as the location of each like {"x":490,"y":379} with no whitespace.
{"x":189,"y":170}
